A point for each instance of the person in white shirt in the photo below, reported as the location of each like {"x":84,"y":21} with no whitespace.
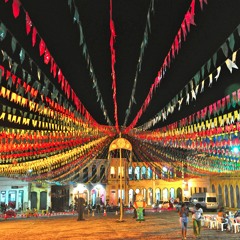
{"x":196,"y":217}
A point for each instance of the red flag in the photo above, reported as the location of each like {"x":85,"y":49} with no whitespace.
{"x":52,"y":62}
{"x":183,"y":27}
{"x":2,"y":68}
{"x":210,"y":109}
{"x":201,"y":3}
{"x":219,"y":105}
{"x":59,"y":75}
{"x":63,"y":82}
{"x":47,"y":56}
{"x":68,"y":91}
{"x":34,"y":34}
{"x":176,"y":44}
{"x":42,"y":47}
{"x":16,"y":8}
{"x":179,"y":37}
{"x":28,"y":24}
{"x":54,"y":69}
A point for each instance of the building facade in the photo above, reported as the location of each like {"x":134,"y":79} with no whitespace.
{"x":99,"y":183}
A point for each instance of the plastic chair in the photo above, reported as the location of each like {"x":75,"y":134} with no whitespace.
{"x":212,"y":223}
{"x":219,"y":223}
{"x":235,"y":225}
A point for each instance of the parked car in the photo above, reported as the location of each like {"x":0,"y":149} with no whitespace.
{"x":162,"y":204}
{"x":165,"y":205}
{"x":208,"y":201}
{"x":157,"y":204}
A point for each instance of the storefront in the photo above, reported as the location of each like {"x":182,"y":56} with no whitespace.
{"x":14,"y":194}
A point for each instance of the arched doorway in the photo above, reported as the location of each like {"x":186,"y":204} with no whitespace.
{"x":43,"y":200}
{"x":137,"y":173}
{"x":237,"y":196}
{"x":94,"y":174}
{"x":143,"y":173}
{"x":144,"y":193}
{"x":157,"y":173}
{"x":165,"y":194}
{"x":130,"y":173}
{"x":172,"y":193}
{"x":232,"y":197}
{"x":220,"y":197}
{"x":33,"y":200}
{"x":150,"y":197}
{"x":102,"y":173}
{"x":179,"y":194}
{"x":149,"y":173}
{"x":158,"y":195}
{"x":226,"y":196}
{"x":131,"y":196}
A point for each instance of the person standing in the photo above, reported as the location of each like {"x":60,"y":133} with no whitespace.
{"x":80,"y":208}
{"x":196,"y":217}
{"x":183,"y":214}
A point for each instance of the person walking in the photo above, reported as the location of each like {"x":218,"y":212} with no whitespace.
{"x":196,"y":217}
{"x":183,"y":214}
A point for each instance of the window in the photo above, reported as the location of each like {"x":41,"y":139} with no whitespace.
{"x":20,"y":199}
{"x":143,"y":173}
{"x":121,"y":172}
{"x":94,"y":173}
{"x":3,"y":197}
{"x":102,"y":172}
{"x":85,"y":174}
{"x":112,"y":172}
{"x":149,"y":175}
{"x":130,"y":173}
{"x":12,"y":199}
{"x":211,"y":199}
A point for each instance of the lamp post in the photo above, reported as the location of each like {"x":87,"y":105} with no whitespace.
{"x":183,"y":182}
{"x":120,"y":143}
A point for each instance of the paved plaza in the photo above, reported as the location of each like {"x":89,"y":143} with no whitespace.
{"x":157,"y":225}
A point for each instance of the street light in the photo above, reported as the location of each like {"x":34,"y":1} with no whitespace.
{"x":120,"y":143}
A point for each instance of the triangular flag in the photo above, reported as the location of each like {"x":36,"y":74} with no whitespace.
{"x":202,"y":86}
{"x":16,"y":8}
{"x":210,"y":80}
{"x":218,"y":73}
{"x":180,"y":103}
{"x":234,"y":56}
{"x":230,"y":65}
{"x":193,"y":94}
{"x":3,"y":31}
{"x":225,"y":49}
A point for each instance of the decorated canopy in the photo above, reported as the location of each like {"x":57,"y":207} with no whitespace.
{"x":75,"y":75}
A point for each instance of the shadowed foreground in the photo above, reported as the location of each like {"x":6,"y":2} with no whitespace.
{"x":164,"y":225}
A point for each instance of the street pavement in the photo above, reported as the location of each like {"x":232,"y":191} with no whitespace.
{"x":157,"y":225}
